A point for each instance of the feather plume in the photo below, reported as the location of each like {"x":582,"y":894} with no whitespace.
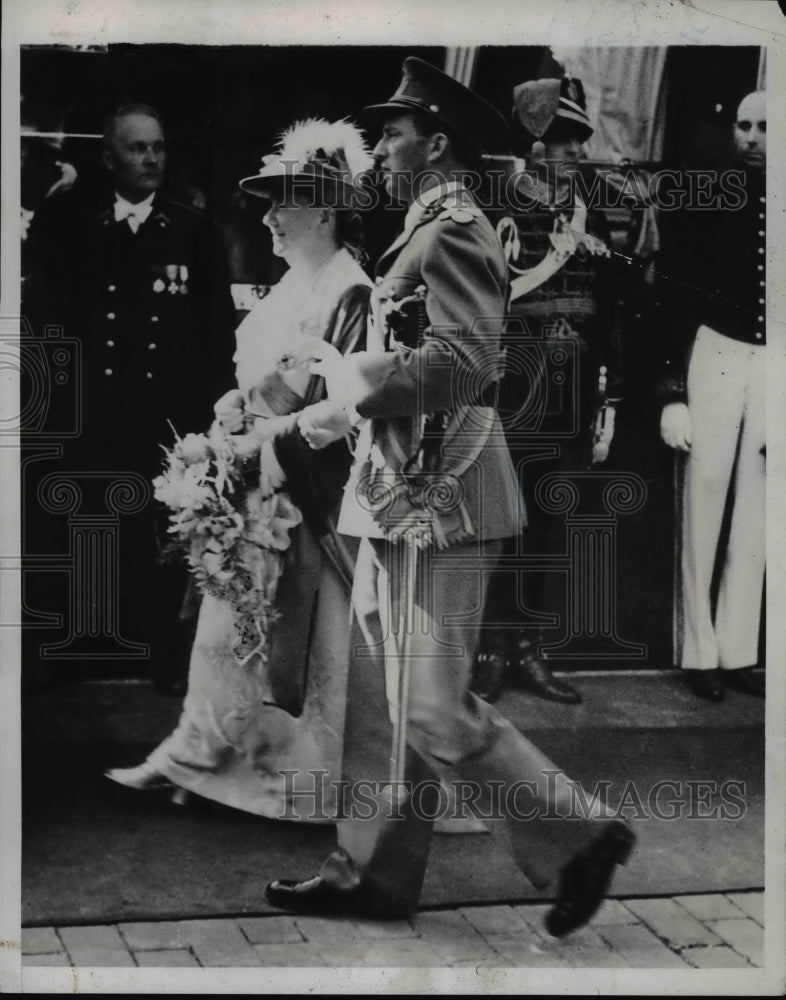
{"x":340,"y":142}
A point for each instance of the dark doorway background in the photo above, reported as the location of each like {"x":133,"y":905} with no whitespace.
{"x":225,"y":106}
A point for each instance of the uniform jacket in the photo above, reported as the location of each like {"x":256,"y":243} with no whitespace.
{"x":565,"y":283}
{"x":154,"y":314}
{"x":714,"y":276}
{"x":437,"y":315}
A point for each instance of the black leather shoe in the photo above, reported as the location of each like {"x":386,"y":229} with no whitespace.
{"x":586,"y":878}
{"x":532,"y":674}
{"x":317,"y":897}
{"x":706,"y":684}
{"x":748,"y":679}
{"x":488,"y":674}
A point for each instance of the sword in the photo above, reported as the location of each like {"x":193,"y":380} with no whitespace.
{"x":60,"y":135}
{"x":598,"y":448}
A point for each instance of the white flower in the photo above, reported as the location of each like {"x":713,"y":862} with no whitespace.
{"x":192,"y":449}
{"x":212,"y":561}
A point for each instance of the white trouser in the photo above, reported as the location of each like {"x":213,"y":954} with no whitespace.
{"x":727,"y":403}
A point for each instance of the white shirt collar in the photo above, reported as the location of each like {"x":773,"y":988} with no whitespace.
{"x":140,"y":210}
{"x":426,"y":198}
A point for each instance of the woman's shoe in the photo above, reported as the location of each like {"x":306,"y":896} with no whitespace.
{"x":143,"y":778}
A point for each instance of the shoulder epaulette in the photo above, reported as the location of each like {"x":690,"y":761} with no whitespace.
{"x":459,"y":211}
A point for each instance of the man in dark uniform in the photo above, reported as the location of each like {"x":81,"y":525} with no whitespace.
{"x":713,"y":392}
{"x":143,"y":282}
{"x":432,"y":493}
{"x":564,"y":286}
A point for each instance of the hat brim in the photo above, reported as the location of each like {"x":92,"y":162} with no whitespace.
{"x":277,"y":181}
{"x":376,"y":112}
{"x":397,"y":106}
{"x":498,"y":139}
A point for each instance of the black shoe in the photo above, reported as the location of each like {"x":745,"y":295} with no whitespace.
{"x":532,"y":674}
{"x":315,"y":896}
{"x":747,"y":679}
{"x":586,"y":878}
{"x":488,"y":674}
{"x":706,"y":684}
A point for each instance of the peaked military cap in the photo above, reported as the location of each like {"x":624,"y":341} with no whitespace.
{"x":428,"y":90}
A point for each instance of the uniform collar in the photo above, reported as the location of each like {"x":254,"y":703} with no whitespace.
{"x":426,"y":199}
{"x":141,"y":209}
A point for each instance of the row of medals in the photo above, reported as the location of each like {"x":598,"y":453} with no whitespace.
{"x":172,"y":285}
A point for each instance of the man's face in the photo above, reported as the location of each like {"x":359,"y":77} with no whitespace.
{"x":750,"y":131}
{"x":562,"y":143}
{"x":402,"y":154}
{"x":135,"y":155}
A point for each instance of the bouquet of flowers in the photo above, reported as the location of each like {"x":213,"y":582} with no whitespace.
{"x":232,"y":537}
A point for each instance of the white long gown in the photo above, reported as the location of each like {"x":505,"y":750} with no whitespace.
{"x":232,"y":745}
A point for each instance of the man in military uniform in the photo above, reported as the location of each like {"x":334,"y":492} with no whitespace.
{"x":564,"y":286}
{"x":143,"y":282}
{"x":432,"y":494}
{"x":713,"y":391}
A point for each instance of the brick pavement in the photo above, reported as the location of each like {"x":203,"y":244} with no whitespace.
{"x":713,"y":931}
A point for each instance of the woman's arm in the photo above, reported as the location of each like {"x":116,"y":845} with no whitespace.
{"x":317,"y":478}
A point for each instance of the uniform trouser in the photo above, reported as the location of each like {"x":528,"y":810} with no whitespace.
{"x":727,"y":403}
{"x":451,"y":733}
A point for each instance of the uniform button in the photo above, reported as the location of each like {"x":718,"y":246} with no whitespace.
{"x":761,"y":284}
{"x":760,"y":319}
{"x":113,"y":288}
{"x":110,"y":343}
{"x":761,"y":249}
{"x":762,"y":215}
{"x":107,"y":371}
{"x":762,"y":199}
{"x":110,"y":315}
{"x":149,"y":374}
{"x":761,"y":302}
{"x":154,"y":319}
{"x":152,"y":347}
{"x":760,"y":267}
{"x":758,"y":336}
{"x":761,"y":232}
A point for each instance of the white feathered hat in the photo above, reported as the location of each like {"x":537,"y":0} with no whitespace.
{"x":323,"y":159}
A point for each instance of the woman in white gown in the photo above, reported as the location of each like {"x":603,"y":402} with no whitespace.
{"x":253,"y":732}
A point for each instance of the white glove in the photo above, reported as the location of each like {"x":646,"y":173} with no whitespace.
{"x":604,"y":433}
{"x":675,"y":426}
{"x":66,"y":180}
{"x":229,"y":411}
{"x":343,"y":382}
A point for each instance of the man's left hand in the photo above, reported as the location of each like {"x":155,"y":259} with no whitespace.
{"x":323,"y":423}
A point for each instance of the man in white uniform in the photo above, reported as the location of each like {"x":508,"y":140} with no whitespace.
{"x":714,"y":391}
